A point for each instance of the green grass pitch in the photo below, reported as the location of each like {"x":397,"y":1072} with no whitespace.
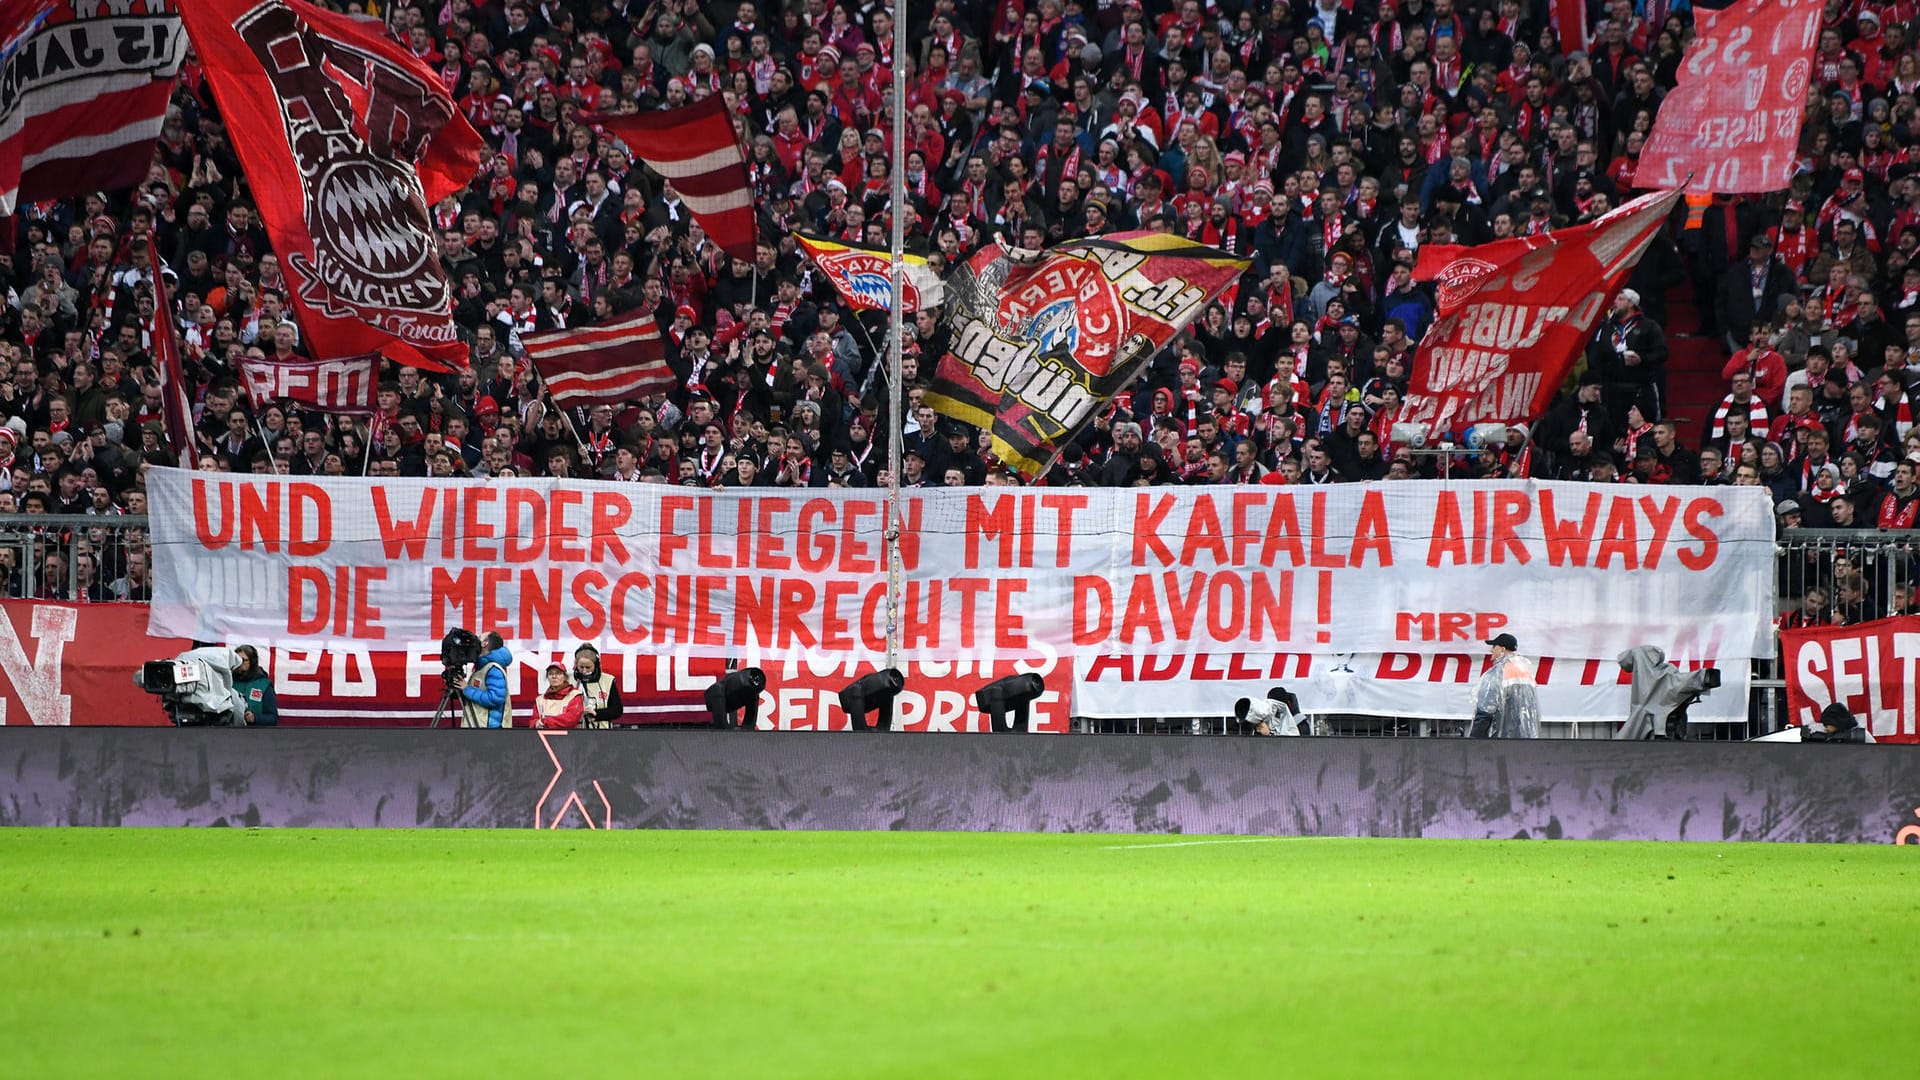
{"x":671,"y":954}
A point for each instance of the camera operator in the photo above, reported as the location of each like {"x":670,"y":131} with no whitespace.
{"x":255,"y":688}
{"x":602,"y":690}
{"x":487,"y":704}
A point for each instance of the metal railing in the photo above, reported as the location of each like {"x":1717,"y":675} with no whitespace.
{"x":101,"y":558}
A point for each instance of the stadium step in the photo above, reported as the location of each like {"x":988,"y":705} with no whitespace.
{"x":1694,"y":388}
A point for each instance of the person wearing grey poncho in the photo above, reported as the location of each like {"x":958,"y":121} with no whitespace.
{"x":1658,"y":692}
{"x":1505,"y":704}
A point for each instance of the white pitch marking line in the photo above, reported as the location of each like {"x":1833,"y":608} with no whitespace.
{"x":1193,"y":843}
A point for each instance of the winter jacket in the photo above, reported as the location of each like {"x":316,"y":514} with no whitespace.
{"x":488,"y":706}
{"x":256,"y":691}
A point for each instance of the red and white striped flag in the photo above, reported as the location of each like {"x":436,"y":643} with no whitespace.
{"x":694,"y":148}
{"x":176,"y":407}
{"x":596,"y":365}
{"x":83,"y":96}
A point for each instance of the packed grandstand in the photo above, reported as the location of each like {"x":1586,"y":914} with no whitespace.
{"x":1325,"y":143}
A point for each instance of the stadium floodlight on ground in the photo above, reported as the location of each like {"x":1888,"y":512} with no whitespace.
{"x":872,"y":694}
{"x":1278,"y":713}
{"x":737,"y":692}
{"x":1008,"y":702}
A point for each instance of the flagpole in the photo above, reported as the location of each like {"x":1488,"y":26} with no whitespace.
{"x":896,"y":321}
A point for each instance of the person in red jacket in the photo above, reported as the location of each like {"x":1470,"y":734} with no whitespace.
{"x":562,"y":704}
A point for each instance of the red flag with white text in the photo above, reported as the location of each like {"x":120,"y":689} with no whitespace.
{"x":346,"y":139}
{"x":1733,"y":121}
{"x":695,"y":149}
{"x":335,"y":386}
{"x":1514,"y":315}
{"x":83,"y":92}
{"x":1873,"y":668}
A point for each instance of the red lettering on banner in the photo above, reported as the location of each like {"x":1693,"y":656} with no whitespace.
{"x":472,"y":531}
{"x":814,"y":548}
{"x":366,"y":616}
{"x":563,"y":538}
{"x":1143,"y":612}
{"x":493,"y":607}
{"x":670,"y":539}
{"x":706,"y":614}
{"x":401,"y":538}
{"x":302,"y":580}
{"x":1621,"y":538}
{"x":451,"y":590}
{"x":1448,"y":533}
{"x":1161,"y":667}
{"x":920,"y":618}
{"x":753,"y":610}
{"x":1283,"y":532}
{"x":1567,"y":540}
{"x":796,"y":599}
{"x":1660,"y":515}
{"x":1063,"y":507}
{"x":1371,"y":533}
{"x":1272,"y":607}
{"x":525,"y":537}
{"x":299,"y":497}
{"x":703,"y":553}
{"x":540,"y":596}
{"x":1089,"y":627}
{"x":1479,"y":537}
{"x":1226,"y":607}
{"x":1183,"y":609}
{"x":212,"y":537}
{"x":672,"y":609}
{"x":871,"y":633}
{"x":770,"y":549}
{"x":259,"y":518}
{"x":1203,"y":534}
{"x":1146,"y":525}
{"x":1321,"y":558}
{"x":1009,"y":629}
{"x":628,"y":631}
{"x":1511,"y":509}
{"x":969,"y":590}
{"x":587,"y":586}
{"x":855,"y":555}
{"x":1694,"y":521}
{"x":834,"y":630}
{"x":1398,"y":666}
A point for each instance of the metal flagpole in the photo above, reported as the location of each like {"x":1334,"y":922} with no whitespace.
{"x":896,"y":321}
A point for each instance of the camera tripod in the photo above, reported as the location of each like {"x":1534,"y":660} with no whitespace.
{"x":449,"y":695}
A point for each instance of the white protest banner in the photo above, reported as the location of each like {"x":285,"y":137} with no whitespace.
{"x":1585,"y":571}
{"x":1403,"y":685}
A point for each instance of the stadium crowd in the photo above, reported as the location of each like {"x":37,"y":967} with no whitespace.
{"x":1327,"y":140}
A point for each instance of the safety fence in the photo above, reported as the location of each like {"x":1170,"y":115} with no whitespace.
{"x":1821,"y":575}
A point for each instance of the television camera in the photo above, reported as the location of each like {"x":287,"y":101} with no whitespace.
{"x":459,"y":651}
{"x":196,"y":688}
{"x":1276,"y":714}
{"x":1661,"y":694}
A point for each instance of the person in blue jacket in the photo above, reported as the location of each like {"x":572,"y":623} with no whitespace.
{"x":255,"y":688}
{"x":487,"y":704}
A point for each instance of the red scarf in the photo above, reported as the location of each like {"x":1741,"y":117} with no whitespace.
{"x":1898,"y":513}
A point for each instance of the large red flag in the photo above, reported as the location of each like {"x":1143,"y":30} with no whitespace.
{"x":1733,"y":121}
{"x":83,"y":94}
{"x":1514,"y":315}
{"x":694,"y":148}
{"x":346,"y":139}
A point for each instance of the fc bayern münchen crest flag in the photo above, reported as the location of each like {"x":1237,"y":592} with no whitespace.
{"x":1039,"y":341}
{"x":346,"y":139}
{"x":862,"y":274}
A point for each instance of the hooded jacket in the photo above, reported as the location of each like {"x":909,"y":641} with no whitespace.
{"x":488,"y":705}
